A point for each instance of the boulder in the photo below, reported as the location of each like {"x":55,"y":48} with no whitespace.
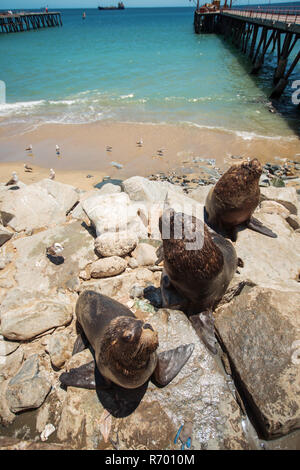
{"x":107,"y":267}
{"x":5,"y":235}
{"x":59,"y":347}
{"x":38,"y":205}
{"x":144,"y":190}
{"x":109,"y":188}
{"x":200,"y":194}
{"x":260,"y":330}
{"x":32,"y":316}
{"x":115,"y":244}
{"x":145,"y":254}
{"x":114,"y":213}
{"x":44,"y":274}
{"x":28,"y":389}
{"x":9,"y":363}
{"x":270,"y":262}
{"x":286,"y":196}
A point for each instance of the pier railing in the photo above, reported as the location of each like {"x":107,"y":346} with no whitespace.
{"x":285,"y":15}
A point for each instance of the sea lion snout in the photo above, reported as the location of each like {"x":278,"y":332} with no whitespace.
{"x":147,"y":326}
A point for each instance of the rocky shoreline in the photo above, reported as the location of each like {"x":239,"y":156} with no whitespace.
{"x":110,"y":237}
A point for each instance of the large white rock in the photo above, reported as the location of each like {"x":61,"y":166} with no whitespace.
{"x":145,"y":254}
{"x":28,"y":389}
{"x":114,"y":213}
{"x":23,"y":320}
{"x":286,"y":196}
{"x":37,"y":205}
{"x":115,"y":244}
{"x":144,"y":190}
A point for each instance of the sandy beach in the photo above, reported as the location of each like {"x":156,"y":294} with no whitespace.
{"x":83,"y":150}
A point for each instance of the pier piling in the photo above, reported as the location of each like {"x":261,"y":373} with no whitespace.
{"x":25,"y":21}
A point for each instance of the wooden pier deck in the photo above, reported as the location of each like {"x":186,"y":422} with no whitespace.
{"x":25,"y":21}
{"x":255,"y":32}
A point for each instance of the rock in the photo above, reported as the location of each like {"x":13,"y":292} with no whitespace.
{"x":11,"y":443}
{"x":110,"y":188}
{"x":6,"y":416}
{"x":260,"y":330}
{"x":44,"y":275}
{"x":264,"y":181}
{"x":136,"y":291}
{"x":270,"y":262}
{"x":114,"y":213}
{"x":272,"y":207}
{"x":187,"y":205}
{"x":60,"y":349}
{"x":10,"y":363}
{"x":141,"y":189}
{"x":28,"y":389}
{"x":7,"y":347}
{"x":145,"y":254}
{"x":78,"y":212}
{"x":119,"y":286}
{"x":24,"y":320}
{"x":200,"y":194}
{"x":132,"y":263}
{"x":116,"y":244}
{"x":5,"y":235}
{"x":49,"y":429}
{"x":38,"y":205}
{"x":285,"y":196}
{"x":107,"y":267}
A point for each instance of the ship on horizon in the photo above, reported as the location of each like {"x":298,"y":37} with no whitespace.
{"x":120,"y":6}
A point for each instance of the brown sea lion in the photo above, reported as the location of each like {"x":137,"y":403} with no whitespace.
{"x":232,"y":201}
{"x":124,"y":347}
{"x":198,"y":267}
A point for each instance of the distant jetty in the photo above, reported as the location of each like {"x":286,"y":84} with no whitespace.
{"x":17,"y":22}
{"x":120,"y":6}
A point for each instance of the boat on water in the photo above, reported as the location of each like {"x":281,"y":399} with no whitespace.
{"x":120,"y":6}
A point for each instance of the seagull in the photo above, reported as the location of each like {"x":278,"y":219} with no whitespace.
{"x":27,"y":168}
{"x":140,"y":143}
{"x":29,"y":148}
{"x":57,"y":149}
{"x":55,"y":250}
{"x":14,"y":179}
{"x":52,"y":174}
{"x":108,"y":148}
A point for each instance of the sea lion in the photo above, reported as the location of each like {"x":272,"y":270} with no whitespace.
{"x":124,"y":347}
{"x":232,"y":201}
{"x":198,"y":267}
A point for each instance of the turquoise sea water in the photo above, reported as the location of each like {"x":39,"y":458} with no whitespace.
{"x":141,"y":65}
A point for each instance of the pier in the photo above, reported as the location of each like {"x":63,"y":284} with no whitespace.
{"x":255,"y":32}
{"x":25,"y":21}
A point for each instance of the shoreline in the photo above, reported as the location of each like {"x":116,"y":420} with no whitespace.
{"x":83,"y":148}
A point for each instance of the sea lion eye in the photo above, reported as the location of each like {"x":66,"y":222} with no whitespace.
{"x":127,"y":336}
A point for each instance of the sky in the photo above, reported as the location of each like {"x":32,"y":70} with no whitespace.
{"x":31,"y":4}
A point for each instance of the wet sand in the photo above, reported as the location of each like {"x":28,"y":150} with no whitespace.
{"x":83,"y":150}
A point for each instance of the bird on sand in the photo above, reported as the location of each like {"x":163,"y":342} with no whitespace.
{"x":27,"y":168}
{"x":14,"y":179}
{"x":57,"y":149}
{"x":52,"y":174}
{"x":140,"y":143}
{"x":55,"y":250}
{"x":29,"y":148}
{"x":108,"y":148}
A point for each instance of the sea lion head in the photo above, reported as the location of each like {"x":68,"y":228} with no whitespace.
{"x":128,"y":343}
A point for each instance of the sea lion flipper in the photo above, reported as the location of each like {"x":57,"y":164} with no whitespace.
{"x":85,"y":376}
{"x":170,"y":363}
{"x":80,"y":344}
{"x":257,"y":226}
{"x":81,"y":377}
{"x":203,"y":324}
